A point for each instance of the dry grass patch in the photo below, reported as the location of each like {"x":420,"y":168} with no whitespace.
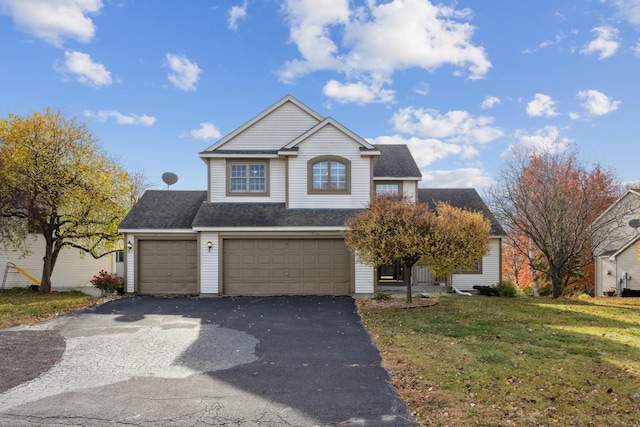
{"x":526,"y":362}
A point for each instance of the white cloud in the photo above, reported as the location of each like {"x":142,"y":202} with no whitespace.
{"x":455,"y":126}
{"x":184,"y":74}
{"x":237,"y":13}
{"x":490,"y":102}
{"x":424,"y":151}
{"x":206,"y":131}
{"x":54,"y":20}
{"x":597,"y":103}
{"x":629,"y":10}
{"x":606,"y":43}
{"x":121,"y":119}
{"x":557,"y":39}
{"x":422,"y":89}
{"x":360,"y":93}
{"x":546,"y":140}
{"x":331,"y":36}
{"x":542,"y":105}
{"x":574,"y":116}
{"x":86,"y":71}
{"x":456,"y":178}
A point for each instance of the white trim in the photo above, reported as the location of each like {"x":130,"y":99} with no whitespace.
{"x":268,"y":229}
{"x":373,"y":151}
{"x":269,"y":110}
{"x":624,"y":248}
{"x":216,"y":154}
{"x":402,"y":178}
{"x":156,"y":230}
{"x":615,"y":203}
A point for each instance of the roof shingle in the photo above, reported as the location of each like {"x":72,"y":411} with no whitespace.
{"x":164,"y":209}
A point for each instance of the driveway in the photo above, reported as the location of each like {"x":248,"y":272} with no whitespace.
{"x":145,"y":361}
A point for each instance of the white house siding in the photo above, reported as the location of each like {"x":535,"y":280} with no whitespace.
{"x":329,"y":140}
{"x":606,"y":275}
{"x":72,"y":271}
{"x":209,"y":261}
{"x":273,"y":131}
{"x":618,"y":233}
{"x":130,"y":264}
{"x":410,"y":189}
{"x":627,"y":262}
{"x":490,"y":270}
{"x":276,"y":183}
{"x":364,"y":278}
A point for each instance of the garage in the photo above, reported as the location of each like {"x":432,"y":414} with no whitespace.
{"x":167,"y":267}
{"x":286,"y":267}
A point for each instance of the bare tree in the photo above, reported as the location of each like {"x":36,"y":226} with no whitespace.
{"x":553,"y":201}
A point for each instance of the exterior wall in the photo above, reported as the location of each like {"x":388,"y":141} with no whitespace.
{"x":627,"y":262}
{"x":490,"y":270}
{"x":365,"y":278}
{"x":618,"y":232}
{"x":129,"y":265}
{"x":209,"y":263}
{"x":606,"y":275}
{"x":273,"y":131}
{"x":410,"y":189}
{"x":72,"y":271}
{"x":218,"y":183}
{"x":329,"y":140}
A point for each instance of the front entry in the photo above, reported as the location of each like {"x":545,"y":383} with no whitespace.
{"x":392,"y":273}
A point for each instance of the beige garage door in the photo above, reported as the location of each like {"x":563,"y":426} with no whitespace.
{"x":167,"y":267}
{"x":286,"y":267}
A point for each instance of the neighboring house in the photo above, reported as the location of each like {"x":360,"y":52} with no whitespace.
{"x":280,"y":189}
{"x":72,"y":270}
{"x":616,"y":258}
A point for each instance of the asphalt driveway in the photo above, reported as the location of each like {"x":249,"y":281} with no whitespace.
{"x":145,"y":361}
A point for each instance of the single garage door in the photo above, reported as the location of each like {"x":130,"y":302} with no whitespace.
{"x":167,"y":267}
{"x":286,"y":267}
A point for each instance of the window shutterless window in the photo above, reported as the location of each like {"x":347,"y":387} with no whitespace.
{"x":247,"y":177}
{"x":393,"y":189}
{"x":329,"y":175}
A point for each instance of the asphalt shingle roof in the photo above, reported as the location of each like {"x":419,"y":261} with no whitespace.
{"x":168,"y":209}
{"x":395,"y":161}
{"x":466,"y":198}
{"x":268,"y":215}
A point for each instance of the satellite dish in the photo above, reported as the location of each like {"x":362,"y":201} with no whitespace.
{"x":169,"y":178}
{"x":635,"y":223}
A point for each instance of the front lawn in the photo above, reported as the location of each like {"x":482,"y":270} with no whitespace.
{"x":487,"y":361}
{"x":25,"y":306}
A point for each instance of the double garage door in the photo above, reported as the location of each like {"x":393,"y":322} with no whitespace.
{"x":250,"y":267}
{"x":286,"y":267}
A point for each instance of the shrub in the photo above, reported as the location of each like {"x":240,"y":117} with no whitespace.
{"x":584,"y":297}
{"x":108,"y":282}
{"x":382,"y":296}
{"x":506,"y":288}
{"x":486,"y":290}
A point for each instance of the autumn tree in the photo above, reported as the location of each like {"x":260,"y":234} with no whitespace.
{"x":391,"y":229}
{"x":550,"y":200}
{"x":54,"y":179}
{"x":460,"y":240}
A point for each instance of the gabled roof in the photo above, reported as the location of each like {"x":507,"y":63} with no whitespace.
{"x":268,"y":215}
{"x":395,"y":161}
{"x":625,"y":194}
{"x":625,"y":247}
{"x":326,"y":122}
{"x":465,"y":198}
{"x":164,"y":210}
{"x":269,"y":110}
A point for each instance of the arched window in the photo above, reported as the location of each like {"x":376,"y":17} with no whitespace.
{"x":329,"y":174}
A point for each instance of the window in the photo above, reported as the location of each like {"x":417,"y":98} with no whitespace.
{"x":119,"y":256}
{"x":247,"y":178}
{"x":476,"y":270}
{"x":388,"y":188}
{"x":329,"y":175}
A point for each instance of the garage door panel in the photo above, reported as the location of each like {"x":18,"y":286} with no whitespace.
{"x":167,"y":266}
{"x":286,"y":266}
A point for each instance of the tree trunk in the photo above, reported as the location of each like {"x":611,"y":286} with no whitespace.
{"x":50,"y":257}
{"x":408,"y":279}
{"x":534,"y":280}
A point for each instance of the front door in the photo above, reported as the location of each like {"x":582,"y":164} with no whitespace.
{"x":391,"y":273}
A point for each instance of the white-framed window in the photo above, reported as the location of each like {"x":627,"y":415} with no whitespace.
{"x":247,"y":177}
{"x":388,"y":188}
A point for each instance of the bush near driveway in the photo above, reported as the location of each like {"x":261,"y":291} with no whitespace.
{"x":519,"y":361}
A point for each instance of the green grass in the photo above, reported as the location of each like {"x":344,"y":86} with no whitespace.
{"x":25,"y":306}
{"x":513,"y":361}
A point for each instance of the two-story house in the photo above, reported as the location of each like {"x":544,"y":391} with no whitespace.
{"x":280,"y":189}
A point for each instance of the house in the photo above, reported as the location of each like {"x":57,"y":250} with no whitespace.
{"x":73,"y":270}
{"x":617,"y":234}
{"x":280,"y":189}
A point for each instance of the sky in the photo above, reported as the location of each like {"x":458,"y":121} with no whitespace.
{"x":462,"y":83}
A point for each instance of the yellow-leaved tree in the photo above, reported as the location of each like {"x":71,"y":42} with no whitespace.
{"x":56,"y":180}
{"x":460,"y":241}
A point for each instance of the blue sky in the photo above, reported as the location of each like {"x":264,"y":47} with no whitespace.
{"x":462,"y":83}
